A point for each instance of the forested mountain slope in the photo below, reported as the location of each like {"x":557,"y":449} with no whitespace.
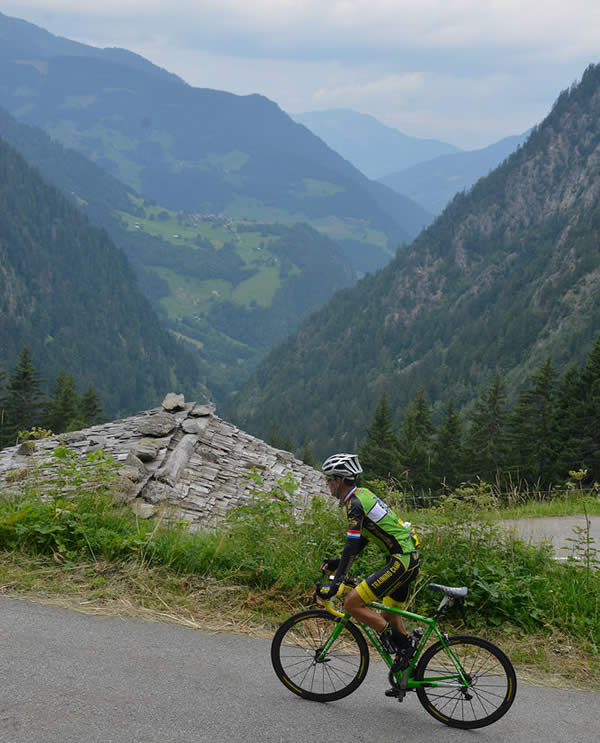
{"x":196,"y":150}
{"x":69,"y":295}
{"x":231,"y":288}
{"x":508,"y":275}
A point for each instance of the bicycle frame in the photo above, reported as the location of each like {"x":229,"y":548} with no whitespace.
{"x":404,"y":678}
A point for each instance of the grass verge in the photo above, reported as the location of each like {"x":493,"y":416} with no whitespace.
{"x":65,"y":540}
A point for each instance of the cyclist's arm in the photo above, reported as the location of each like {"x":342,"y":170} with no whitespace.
{"x":355,"y":542}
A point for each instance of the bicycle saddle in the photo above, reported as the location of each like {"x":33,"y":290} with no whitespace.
{"x":451,"y":592}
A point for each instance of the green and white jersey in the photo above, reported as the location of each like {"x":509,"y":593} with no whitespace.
{"x":369,"y":517}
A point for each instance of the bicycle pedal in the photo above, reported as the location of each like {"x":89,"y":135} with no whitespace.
{"x":392,"y":692}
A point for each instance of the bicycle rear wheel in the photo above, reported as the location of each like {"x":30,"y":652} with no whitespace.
{"x":295,"y":654}
{"x":489,"y":693}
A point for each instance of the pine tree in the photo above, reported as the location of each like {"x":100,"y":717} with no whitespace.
{"x":90,"y":408}
{"x":307,"y":455}
{"x":274,"y":436}
{"x":532,"y":428}
{"x":447,"y":449}
{"x":590,"y":418}
{"x":64,"y":406}
{"x":486,"y":440}
{"x":379,"y":453}
{"x":416,"y":434}
{"x":569,"y":416}
{"x":22,"y":402}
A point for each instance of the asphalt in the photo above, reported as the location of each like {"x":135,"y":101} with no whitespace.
{"x":564,"y":533}
{"x":66,"y":677}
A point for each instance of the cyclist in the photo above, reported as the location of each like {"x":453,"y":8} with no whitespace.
{"x":369,"y":517}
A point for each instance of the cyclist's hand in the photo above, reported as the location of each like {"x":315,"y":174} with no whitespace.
{"x":328,"y":590}
{"x":330,"y":563}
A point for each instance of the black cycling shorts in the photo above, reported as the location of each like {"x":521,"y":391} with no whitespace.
{"x":392,"y":583}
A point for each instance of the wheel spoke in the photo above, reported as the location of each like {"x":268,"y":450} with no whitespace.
{"x":490,"y":687}
{"x":298,"y":660}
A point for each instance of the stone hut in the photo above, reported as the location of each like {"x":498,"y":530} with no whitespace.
{"x":180,"y":459}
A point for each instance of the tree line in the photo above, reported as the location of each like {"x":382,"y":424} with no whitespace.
{"x":23,"y":406}
{"x":551,"y":429}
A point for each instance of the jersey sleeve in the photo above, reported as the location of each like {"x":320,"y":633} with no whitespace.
{"x":355,"y":542}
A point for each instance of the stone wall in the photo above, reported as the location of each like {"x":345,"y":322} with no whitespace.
{"x":181,"y":460}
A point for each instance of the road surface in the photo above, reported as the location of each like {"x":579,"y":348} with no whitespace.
{"x":67,"y":677}
{"x":559,"y":531}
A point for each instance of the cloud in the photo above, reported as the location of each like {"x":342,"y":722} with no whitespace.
{"x":390,"y":85}
{"x":466,"y":71}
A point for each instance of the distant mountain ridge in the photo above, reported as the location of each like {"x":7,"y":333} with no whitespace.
{"x":507,"y":276}
{"x":197,"y":150}
{"x":434,"y":183}
{"x":372,"y":147}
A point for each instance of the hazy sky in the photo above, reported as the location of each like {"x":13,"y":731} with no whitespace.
{"x":467,"y":72}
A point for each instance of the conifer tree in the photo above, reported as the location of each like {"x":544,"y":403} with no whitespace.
{"x":486,"y":440}
{"x":532,"y":428}
{"x":416,"y":434}
{"x":64,"y":406}
{"x":274,"y":436}
{"x":90,"y":407}
{"x":22,"y":402}
{"x":569,"y":416}
{"x":379,"y":453}
{"x":590,"y":410}
{"x":307,"y":455}
{"x":447,"y":450}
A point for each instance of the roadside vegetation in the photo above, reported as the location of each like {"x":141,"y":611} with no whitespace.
{"x":66,"y":538}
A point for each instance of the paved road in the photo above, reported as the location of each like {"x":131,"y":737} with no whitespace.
{"x":558,"y":530}
{"x":70,"y":678}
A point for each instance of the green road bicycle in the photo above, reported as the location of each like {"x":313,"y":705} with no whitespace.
{"x":463,"y":681}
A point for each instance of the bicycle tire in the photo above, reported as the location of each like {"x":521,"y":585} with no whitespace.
{"x":492,"y":683}
{"x":294,"y":652}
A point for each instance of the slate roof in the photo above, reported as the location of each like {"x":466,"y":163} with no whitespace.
{"x":180,"y":459}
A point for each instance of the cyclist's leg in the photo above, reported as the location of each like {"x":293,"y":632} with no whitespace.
{"x":398,"y":593}
{"x":398,"y":570}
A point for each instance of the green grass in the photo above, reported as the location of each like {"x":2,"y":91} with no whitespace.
{"x":71,"y":525}
{"x":259,"y":288}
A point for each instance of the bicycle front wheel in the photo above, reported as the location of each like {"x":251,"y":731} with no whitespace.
{"x":489,"y":691}
{"x":296,"y":656}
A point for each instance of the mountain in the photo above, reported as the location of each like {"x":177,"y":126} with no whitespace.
{"x":372,"y":147}
{"x":230,"y":288}
{"x":70,"y":296}
{"x":434,"y":183}
{"x":194,"y":150}
{"x":508,"y":275}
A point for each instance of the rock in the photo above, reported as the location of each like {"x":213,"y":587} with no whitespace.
{"x":96,"y":442}
{"x":135,"y":462}
{"x":145,"y":450}
{"x":132,"y":473}
{"x":142,"y":509}
{"x":17,"y":475}
{"x":195,"y":425}
{"x":201,"y":410}
{"x":72,"y":437}
{"x":173,"y":402}
{"x":26,"y":449}
{"x":196,"y":465}
{"x":160,"y":424}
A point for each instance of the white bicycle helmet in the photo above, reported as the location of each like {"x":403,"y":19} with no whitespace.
{"x":342,"y":465}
